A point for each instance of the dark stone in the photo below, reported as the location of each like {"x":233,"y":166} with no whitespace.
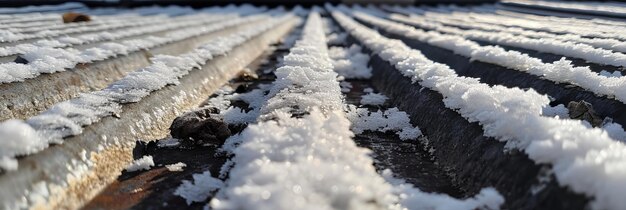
{"x":201,"y":127}
{"x":21,"y":60}
{"x":242,"y":88}
{"x":583,"y":110}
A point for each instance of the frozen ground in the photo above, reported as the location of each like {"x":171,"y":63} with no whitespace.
{"x":515,"y":105}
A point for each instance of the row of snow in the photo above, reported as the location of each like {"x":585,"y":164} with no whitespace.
{"x":59,"y":25}
{"x":584,"y":159}
{"x":50,"y":60}
{"x":550,"y":45}
{"x":151,"y":26}
{"x":561,"y":71}
{"x":10,"y":36}
{"x":44,"y":8}
{"x":67,"y":118}
{"x":495,"y":25}
{"x":591,"y":7}
{"x":301,"y":154}
{"x":599,"y":28}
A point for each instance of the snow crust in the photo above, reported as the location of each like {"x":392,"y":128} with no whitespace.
{"x":198,"y":190}
{"x":561,"y":71}
{"x":584,"y":159}
{"x":67,"y":118}
{"x":144,"y":163}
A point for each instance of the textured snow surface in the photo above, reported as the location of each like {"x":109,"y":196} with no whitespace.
{"x":67,"y":118}
{"x":561,"y":71}
{"x":198,"y":190}
{"x":584,"y":159}
{"x":143,"y":163}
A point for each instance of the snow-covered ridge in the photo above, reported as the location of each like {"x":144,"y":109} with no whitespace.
{"x":462,"y":21}
{"x":67,"y":118}
{"x":561,"y":71}
{"x":595,"y":7}
{"x":584,"y":159}
{"x":150,"y":27}
{"x":50,"y":60}
{"x":590,"y":28}
{"x":350,"y":62}
{"x":488,"y":14}
{"x":59,"y":25}
{"x":307,"y":77}
{"x":566,"y":48}
{"x":30,"y":17}
{"x":9,"y":36}
{"x":43,"y":8}
{"x":305,"y":161}
{"x":309,"y":162}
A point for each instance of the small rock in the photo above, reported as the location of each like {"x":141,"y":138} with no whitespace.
{"x":72,"y":17}
{"x":583,"y":110}
{"x":201,"y":127}
{"x":21,"y":60}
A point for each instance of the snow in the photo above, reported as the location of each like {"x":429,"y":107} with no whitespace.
{"x":594,"y":7}
{"x":198,"y":190}
{"x":561,"y":71}
{"x":306,"y":79}
{"x":391,"y":119}
{"x":154,"y":24}
{"x":374,"y":99}
{"x":413,"y":198}
{"x":176,"y":166}
{"x":350,"y":63}
{"x":50,"y":60}
{"x":550,"y":45}
{"x":556,"y":111}
{"x":584,"y":159}
{"x":464,"y":21}
{"x":615,"y":74}
{"x":67,"y":118}
{"x":271,"y":167}
{"x":18,"y":138}
{"x":43,"y":8}
{"x":143,"y":163}
{"x":274,"y":158}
